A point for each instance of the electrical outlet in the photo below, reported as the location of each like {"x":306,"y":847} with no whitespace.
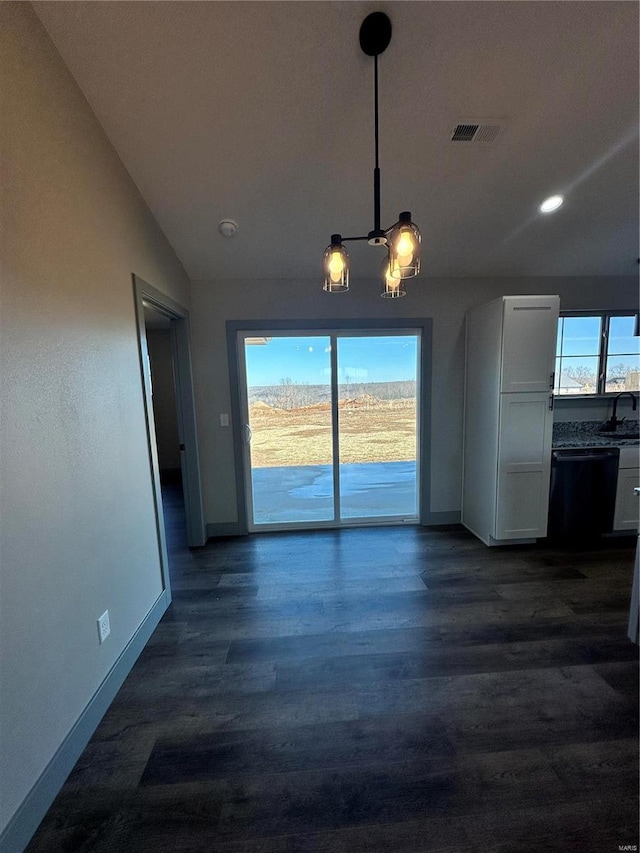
{"x":224,"y":420}
{"x":104,"y":628}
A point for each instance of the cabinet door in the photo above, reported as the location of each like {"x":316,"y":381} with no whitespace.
{"x":529,"y":336}
{"x":627,"y":502}
{"x":524,"y":466}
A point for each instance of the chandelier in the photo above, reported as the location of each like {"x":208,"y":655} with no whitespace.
{"x":402,"y":240}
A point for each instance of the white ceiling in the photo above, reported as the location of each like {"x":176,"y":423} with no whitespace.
{"x":262,"y":112}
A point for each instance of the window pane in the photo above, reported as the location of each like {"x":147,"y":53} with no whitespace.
{"x":556,"y":381}
{"x":621,"y":340}
{"x":581,"y":336}
{"x":559,"y":340}
{"x":377,"y":422}
{"x":577,"y":376}
{"x":623,"y":373}
{"x":291,"y":435}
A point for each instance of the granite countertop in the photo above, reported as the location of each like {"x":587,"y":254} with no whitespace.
{"x":584,"y":434}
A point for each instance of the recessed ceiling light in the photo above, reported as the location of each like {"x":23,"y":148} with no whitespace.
{"x":550,"y":204}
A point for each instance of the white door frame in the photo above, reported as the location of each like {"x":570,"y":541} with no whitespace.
{"x":333,"y":330}
{"x":185,"y":406}
{"x":252,"y":527}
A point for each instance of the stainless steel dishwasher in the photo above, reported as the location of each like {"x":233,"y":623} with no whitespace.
{"x":583,"y":492}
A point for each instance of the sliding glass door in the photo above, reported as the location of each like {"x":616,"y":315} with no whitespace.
{"x":377,"y":426}
{"x":330,"y":427}
{"x":288,"y":429}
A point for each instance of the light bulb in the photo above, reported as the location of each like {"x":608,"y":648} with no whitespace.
{"x":335,"y":262}
{"x":392,"y":273}
{"x":404,"y":246}
{"x":392,"y":286}
{"x":336,"y":266}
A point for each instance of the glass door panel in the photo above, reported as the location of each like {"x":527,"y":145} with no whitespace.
{"x":378,"y":426}
{"x":289,"y":430}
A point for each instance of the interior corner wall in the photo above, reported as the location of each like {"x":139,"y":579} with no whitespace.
{"x":444,"y":300}
{"x":78,"y":532}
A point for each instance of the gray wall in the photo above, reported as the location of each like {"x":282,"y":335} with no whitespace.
{"x":444,"y":300}
{"x":78,"y":531}
{"x":164,"y":398}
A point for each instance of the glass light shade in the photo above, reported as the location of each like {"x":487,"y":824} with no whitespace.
{"x":392,"y":286}
{"x":336,"y":267}
{"x":404,"y":247}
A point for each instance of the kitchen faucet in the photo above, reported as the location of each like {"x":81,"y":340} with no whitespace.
{"x":613,"y":421}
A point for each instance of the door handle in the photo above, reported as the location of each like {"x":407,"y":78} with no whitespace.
{"x":247,"y":434}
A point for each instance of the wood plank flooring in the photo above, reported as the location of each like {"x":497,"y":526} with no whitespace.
{"x":399,"y":689}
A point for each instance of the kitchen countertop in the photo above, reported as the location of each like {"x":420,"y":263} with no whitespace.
{"x":574,"y":434}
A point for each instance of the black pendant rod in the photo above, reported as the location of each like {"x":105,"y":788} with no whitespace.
{"x":376,"y":171}
{"x":375,"y":35}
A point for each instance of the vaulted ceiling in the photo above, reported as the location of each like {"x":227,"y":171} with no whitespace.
{"x":262,"y":112}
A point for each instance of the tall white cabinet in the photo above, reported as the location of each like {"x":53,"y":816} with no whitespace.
{"x":626,"y":510}
{"x":508,"y":417}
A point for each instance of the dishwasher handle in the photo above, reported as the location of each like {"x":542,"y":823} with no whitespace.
{"x":567,"y":456}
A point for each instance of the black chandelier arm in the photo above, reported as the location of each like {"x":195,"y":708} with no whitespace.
{"x":352,"y":239}
{"x":383,"y":231}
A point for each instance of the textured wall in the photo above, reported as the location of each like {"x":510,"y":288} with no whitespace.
{"x":78,"y":530}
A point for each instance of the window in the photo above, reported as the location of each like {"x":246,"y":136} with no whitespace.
{"x":597,"y":353}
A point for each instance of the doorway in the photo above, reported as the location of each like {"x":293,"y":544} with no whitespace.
{"x":155,"y":311}
{"x":165,"y":419}
{"x":331,"y":426}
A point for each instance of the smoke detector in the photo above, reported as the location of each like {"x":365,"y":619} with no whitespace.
{"x":227,"y":227}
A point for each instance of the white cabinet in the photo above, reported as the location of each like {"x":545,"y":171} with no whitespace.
{"x":508,"y":417}
{"x":633,"y":629}
{"x":626,"y":511}
{"x":529,"y":335}
{"x":524,"y":466}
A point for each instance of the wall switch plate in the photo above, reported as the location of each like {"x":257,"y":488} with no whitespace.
{"x":224,"y":420}
{"x":104,"y":628}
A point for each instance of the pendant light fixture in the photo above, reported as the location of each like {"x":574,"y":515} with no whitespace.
{"x":392,"y":285}
{"x":402,"y":240}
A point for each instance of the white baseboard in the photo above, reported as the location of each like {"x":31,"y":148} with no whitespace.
{"x":35,"y":805}
{"x":226,"y":528}
{"x":433,"y":519}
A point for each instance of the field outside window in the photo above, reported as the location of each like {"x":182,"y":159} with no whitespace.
{"x":597,"y":354}
{"x":332,"y":427}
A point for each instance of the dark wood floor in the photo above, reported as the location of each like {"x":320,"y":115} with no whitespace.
{"x":401,"y":690}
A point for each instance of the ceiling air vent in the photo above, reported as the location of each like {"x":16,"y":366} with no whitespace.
{"x":464,"y":132}
{"x":476,"y":132}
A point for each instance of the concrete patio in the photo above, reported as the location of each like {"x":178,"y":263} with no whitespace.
{"x":304,"y":493}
